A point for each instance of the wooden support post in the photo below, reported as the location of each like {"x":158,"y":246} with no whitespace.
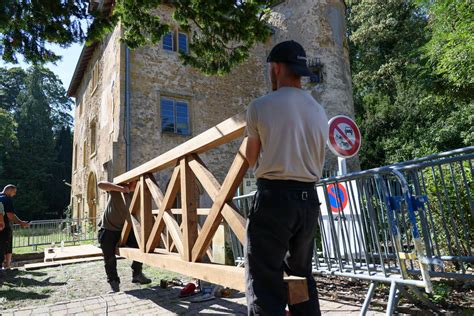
{"x":189,"y":206}
{"x":146,"y":217}
{"x":164,"y":205}
{"x":233,"y":179}
{"x":134,"y":209}
{"x":297,"y":289}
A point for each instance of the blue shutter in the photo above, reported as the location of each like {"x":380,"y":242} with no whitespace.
{"x":183,"y":42}
{"x":168,"y":41}
{"x":167,"y":115}
{"x":182,"y":118}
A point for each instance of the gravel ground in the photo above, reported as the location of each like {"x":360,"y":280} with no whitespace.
{"x":23,"y":288}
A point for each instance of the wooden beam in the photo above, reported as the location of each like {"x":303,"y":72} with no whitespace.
{"x":129,"y":223}
{"x":154,"y":190}
{"x":118,"y":202}
{"x":232,"y":181}
{"x":205,"y":177}
{"x":175,"y":232}
{"x":165,"y":205}
{"x":236,"y":221}
{"x":135,"y":212}
{"x":146,"y":217}
{"x":229,"y":276}
{"x":222,"y":133}
{"x":189,"y":203}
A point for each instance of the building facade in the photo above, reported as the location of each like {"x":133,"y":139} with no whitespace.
{"x":133,"y":105}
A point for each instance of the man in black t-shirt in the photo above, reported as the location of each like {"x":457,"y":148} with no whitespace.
{"x":9,"y":191}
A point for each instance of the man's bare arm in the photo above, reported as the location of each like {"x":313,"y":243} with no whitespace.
{"x":15,"y":220}
{"x":109,"y":186}
{"x":253,"y":150}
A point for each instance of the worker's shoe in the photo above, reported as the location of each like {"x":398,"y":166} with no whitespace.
{"x":140,"y":278}
{"x":115,"y":286}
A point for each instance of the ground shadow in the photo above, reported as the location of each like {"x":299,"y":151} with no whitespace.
{"x":169,"y":299}
{"x":16,"y":295}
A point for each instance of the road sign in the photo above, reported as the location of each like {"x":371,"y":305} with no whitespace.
{"x":344,"y":136}
{"x":337,"y":197}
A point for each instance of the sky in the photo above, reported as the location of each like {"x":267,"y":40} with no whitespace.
{"x":64,"y":68}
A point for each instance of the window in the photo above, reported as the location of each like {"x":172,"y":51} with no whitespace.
{"x":168,"y":41}
{"x":182,"y":42}
{"x":176,"y":41}
{"x":93,"y":131}
{"x":75,"y":157}
{"x":175,"y":116}
{"x":95,"y":77}
{"x":84,"y":154}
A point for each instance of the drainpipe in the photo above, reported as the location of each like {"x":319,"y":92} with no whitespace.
{"x":127,"y":111}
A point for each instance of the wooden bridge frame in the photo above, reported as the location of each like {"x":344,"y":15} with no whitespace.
{"x":184,"y":245}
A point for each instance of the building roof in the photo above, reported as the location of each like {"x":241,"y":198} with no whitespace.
{"x":81,"y":66}
{"x":104,"y":6}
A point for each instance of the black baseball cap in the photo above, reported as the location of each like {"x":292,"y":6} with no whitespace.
{"x":292,"y":54}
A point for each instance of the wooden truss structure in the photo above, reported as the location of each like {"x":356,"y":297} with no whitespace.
{"x":171,"y":238}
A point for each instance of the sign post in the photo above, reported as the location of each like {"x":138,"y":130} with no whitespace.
{"x":344,"y":140}
{"x":342,"y":232}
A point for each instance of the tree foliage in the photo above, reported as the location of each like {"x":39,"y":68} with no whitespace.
{"x":406,"y":105}
{"x":36,"y":141}
{"x":223,"y":32}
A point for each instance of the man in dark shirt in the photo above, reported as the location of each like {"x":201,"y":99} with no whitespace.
{"x":110,"y":230}
{"x":9,"y":191}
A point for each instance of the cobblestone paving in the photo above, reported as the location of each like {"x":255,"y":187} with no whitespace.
{"x":157,"y":301}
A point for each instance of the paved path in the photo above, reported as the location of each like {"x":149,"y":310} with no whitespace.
{"x":156,"y":301}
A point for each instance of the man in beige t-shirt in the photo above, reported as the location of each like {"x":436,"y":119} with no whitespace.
{"x":287,"y":132}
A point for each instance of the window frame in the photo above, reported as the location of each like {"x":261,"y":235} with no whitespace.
{"x":176,"y":100}
{"x":93,"y":137}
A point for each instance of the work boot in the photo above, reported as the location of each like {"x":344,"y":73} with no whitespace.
{"x":115,"y":286}
{"x":140,"y":278}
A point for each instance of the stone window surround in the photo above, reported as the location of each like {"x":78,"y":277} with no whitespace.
{"x":175,"y":40}
{"x":93,"y":137}
{"x":177,"y":96}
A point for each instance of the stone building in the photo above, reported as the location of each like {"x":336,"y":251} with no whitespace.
{"x":132,"y":105}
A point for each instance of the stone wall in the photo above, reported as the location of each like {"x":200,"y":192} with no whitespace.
{"x":154,"y":72}
{"x":98,"y":105}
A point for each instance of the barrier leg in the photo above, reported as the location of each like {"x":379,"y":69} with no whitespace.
{"x":393,"y":298}
{"x":368,"y":298}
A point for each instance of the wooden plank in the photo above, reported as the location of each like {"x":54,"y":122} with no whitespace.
{"x":154,"y":190}
{"x":229,"y":276}
{"x":236,"y":221}
{"x":175,"y":232}
{"x":127,"y":226}
{"x":146,"y":218}
{"x":222,"y":133}
{"x":43,"y":265}
{"x":205,"y":177}
{"x":134,"y":209}
{"x":232,"y":181}
{"x":178,"y":211}
{"x":189,"y":207}
{"x":166,"y":204}
{"x":71,"y":252}
{"x":297,"y":289}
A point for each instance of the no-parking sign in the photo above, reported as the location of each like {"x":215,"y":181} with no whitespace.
{"x":344,"y":136}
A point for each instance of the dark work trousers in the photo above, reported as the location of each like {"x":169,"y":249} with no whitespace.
{"x":281,"y":229}
{"x":109,"y":240}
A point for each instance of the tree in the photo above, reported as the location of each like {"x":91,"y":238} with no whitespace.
{"x":59,"y":191}
{"x":31,"y":164}
{"x":35,"y":140}
{"x":405,"y":107}
{"x":223,"y":31}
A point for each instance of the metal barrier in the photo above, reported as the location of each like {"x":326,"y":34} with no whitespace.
{"x":46,"y":232}
{"x":402,"y":224}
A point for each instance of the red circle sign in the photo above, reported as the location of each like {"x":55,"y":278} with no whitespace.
{"x":337,"y":197}
{"x":344,"y":136}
